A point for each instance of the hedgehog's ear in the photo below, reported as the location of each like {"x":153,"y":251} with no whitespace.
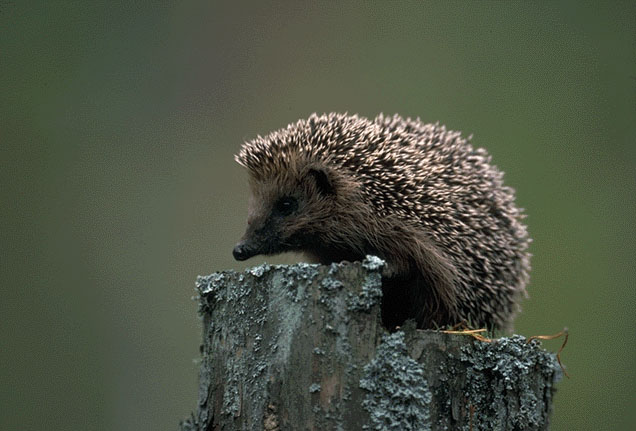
{"x":322,"y":180}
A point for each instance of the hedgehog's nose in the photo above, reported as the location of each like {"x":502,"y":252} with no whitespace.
{"x":241,"y":251}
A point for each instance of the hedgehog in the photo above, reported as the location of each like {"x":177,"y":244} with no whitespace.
{"x":338,"y":187}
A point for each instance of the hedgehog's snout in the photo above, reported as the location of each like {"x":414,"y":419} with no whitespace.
{"x":258,"y":239}
{"x":242,"y":251}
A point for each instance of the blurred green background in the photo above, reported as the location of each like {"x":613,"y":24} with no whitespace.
{"x":119,"y":120}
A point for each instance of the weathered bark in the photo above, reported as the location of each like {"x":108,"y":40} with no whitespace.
{"x":301,"y":347}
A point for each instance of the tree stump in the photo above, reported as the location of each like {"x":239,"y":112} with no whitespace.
{"x":302,"y":347}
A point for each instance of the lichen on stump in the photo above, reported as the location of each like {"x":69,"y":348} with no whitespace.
{"x":294,"y":347}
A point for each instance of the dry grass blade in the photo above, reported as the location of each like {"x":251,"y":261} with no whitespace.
{"x":562,"y":333}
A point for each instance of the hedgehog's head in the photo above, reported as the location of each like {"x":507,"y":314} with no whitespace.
{"x":291,"y":209}
{"x":305,"y":194}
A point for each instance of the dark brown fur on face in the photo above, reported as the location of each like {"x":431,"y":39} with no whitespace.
{"x":339,"y":187}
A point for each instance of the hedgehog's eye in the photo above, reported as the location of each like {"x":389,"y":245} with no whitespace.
{"x":286,"y":205}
